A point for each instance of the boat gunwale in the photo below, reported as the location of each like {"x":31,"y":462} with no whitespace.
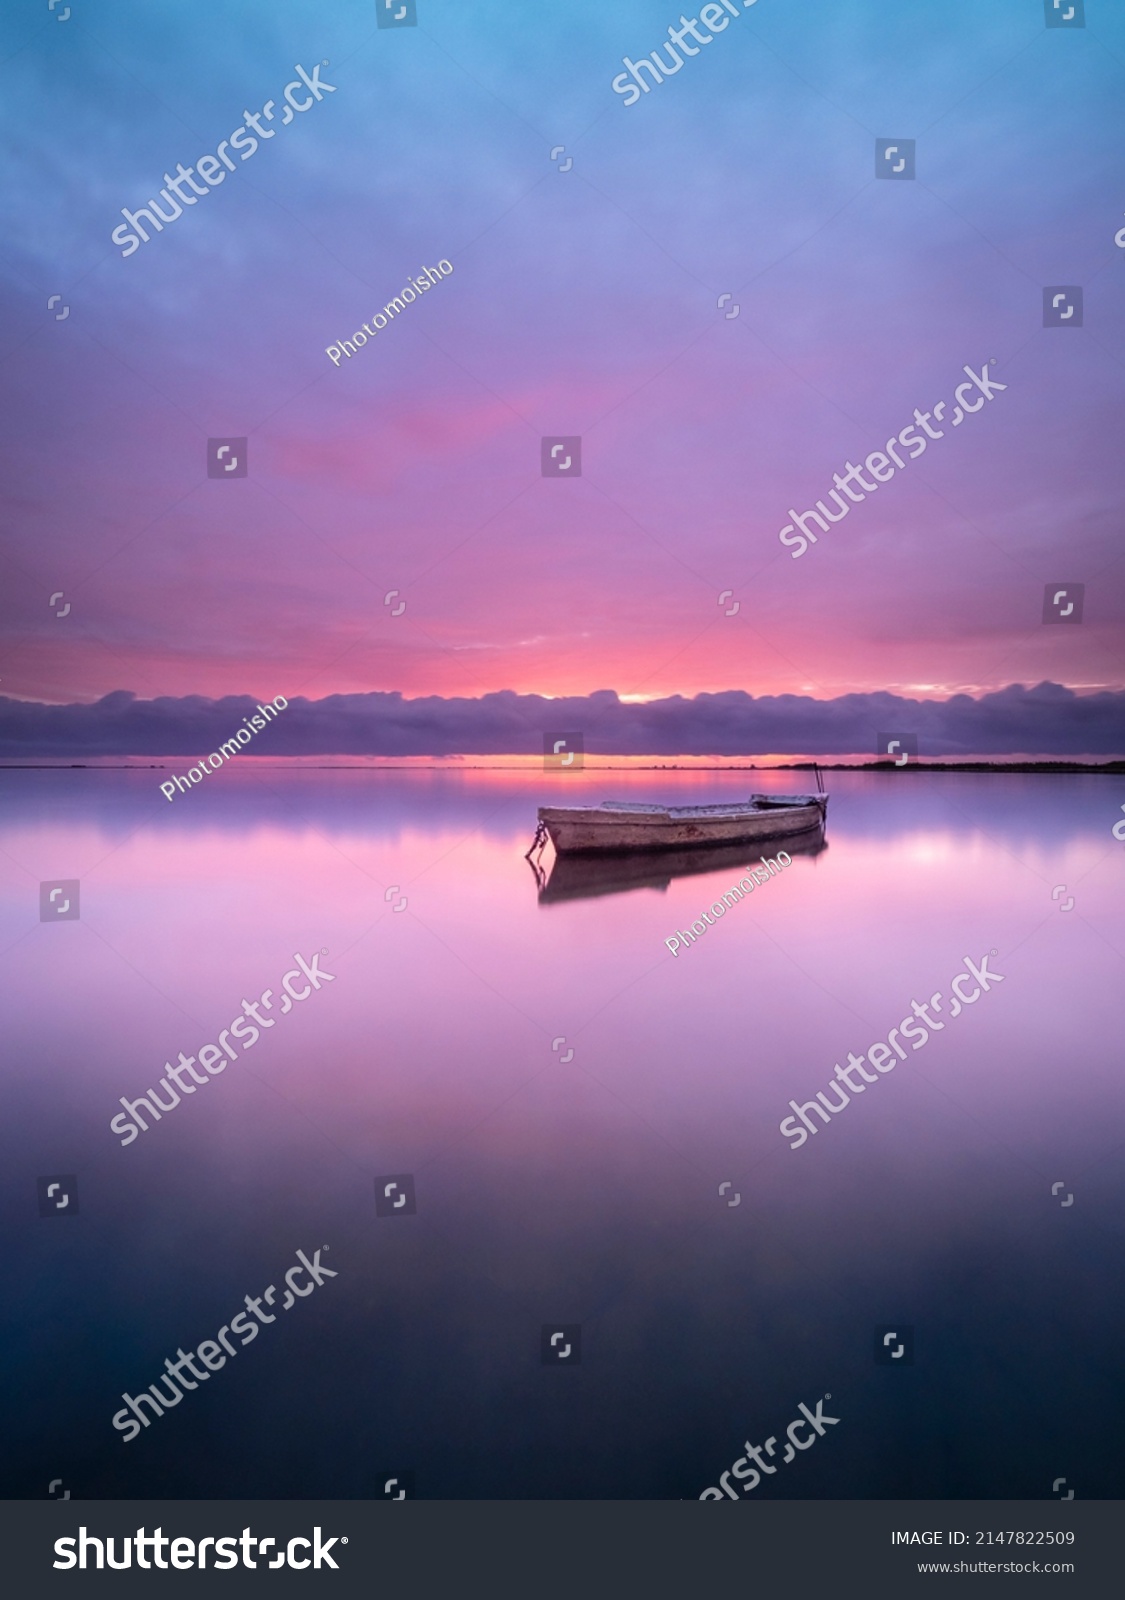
{"x":610,"y":814}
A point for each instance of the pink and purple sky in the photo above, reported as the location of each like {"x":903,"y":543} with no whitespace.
{"x":582,"y":302}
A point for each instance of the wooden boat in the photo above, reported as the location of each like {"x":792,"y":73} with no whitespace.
{"x":640,"y":825}
{"x":583,"y":877}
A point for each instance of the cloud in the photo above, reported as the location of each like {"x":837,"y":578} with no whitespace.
{"x":1047,"y":720}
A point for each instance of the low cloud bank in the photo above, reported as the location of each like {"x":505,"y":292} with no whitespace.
{"x":1047,"y":720}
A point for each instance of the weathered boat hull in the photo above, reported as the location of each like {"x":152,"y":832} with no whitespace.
{"x":577,"y":830}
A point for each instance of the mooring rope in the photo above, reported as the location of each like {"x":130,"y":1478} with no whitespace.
{"x":539,"y":841}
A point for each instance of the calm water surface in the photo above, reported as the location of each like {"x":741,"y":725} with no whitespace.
{"x":556,"y":1187}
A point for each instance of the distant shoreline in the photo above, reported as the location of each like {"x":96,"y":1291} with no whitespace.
{"x":442,"y":764}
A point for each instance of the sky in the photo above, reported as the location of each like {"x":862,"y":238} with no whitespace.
{"x":1047,"y":720}
{"x":584,"y":300}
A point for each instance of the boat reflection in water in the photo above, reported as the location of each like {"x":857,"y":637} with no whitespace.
{"x":581,"y":877}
